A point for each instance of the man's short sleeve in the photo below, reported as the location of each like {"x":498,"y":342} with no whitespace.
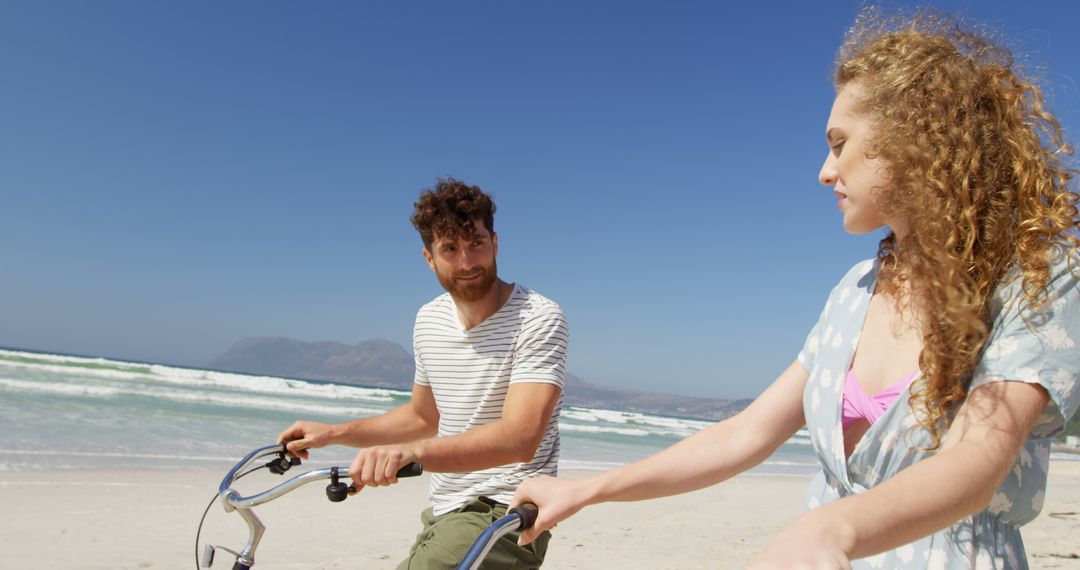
{"x":420,"y":375}
{"x":540,"y":349}
{"x":1039,"y":346}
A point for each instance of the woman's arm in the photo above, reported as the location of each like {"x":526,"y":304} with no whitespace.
{"x":975,"y":457}
{"x":705,"y":458}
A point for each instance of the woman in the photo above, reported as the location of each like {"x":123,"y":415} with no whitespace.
{"x":937,"y":369}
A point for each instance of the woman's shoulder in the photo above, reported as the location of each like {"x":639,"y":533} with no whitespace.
{"x":860,"y":276}
{"x":1062,"y":275}
{"x":862,"y":269}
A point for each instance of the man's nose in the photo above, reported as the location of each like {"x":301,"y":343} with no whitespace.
{"x":469,"y":259}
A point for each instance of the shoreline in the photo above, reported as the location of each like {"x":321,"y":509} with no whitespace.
{"x":1072,"y":452}
{"x":148,"y":518}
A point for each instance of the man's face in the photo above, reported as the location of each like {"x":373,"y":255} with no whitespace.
{"x":465,"y":266}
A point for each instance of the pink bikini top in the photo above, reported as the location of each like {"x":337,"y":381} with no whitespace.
{"x":859,"y":405}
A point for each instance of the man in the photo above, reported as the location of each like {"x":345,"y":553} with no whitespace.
{"x":490,"y":366}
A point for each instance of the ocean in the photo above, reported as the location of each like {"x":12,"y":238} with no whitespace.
{"x":73,"y":412}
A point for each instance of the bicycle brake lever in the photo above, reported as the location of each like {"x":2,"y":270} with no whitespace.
{"x":284,"y":461}
{"x":275,"y":466}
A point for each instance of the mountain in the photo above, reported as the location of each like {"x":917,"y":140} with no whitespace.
{"x":370,"y":363}
{"x":583,"y":394}
{"x":385,"y":364}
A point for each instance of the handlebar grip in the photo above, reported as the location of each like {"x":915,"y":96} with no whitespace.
{"x":411,"y":470}
{"x":527,"y":512}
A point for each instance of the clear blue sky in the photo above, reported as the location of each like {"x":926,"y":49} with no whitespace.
{"x":177,"y":175}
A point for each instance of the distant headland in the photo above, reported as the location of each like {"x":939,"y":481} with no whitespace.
{"x":382,"y":363}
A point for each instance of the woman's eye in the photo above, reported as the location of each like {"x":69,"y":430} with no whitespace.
{"x":839,"y":146}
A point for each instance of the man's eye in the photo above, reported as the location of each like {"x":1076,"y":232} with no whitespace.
{"x":839,"y":146}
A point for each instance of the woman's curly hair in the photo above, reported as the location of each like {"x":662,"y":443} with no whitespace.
{"x":976,"y":167}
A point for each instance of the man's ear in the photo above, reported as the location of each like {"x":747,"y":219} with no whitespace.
{"x":495,"y":243}
{"x":428,"y":258}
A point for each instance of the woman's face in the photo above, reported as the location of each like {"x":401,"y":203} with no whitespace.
{"x":853,"y":177}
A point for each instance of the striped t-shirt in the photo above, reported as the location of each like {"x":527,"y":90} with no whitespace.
{"x":469,"y":372}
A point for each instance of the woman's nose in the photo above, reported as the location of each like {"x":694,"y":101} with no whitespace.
{"x":827,"y":174}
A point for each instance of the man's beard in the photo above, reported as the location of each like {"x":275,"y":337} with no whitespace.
{"x":469,"y":293}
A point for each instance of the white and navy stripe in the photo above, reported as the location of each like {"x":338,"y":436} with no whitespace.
{"x":469,"y":373}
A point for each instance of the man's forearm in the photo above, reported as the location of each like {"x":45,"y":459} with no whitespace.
{"x":400,"y":425}
{"x":484,"y":447}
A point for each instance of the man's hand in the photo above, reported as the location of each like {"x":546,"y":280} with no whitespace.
{"x":303,"y":436}
{"x":378,"y":466}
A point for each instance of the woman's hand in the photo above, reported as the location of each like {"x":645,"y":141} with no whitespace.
{"x":556,"y":499}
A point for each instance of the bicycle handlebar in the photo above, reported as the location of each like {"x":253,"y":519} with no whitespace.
{"x":232,"y":500}
{"x":528,"y":513}
{"x":520,"y":517}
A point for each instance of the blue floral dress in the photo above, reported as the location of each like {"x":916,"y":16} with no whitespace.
{"x":1037,"y":346}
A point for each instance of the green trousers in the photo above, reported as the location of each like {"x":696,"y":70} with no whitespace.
{"x":446,"y":539}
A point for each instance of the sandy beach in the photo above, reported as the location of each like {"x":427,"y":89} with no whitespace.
{"x":147,"y":519}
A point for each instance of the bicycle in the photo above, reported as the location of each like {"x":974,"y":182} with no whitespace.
{"x":521,"y":517}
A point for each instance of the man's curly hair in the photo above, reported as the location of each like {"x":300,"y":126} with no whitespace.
{"x":976,"y":165}
{"x":449,"y":209}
